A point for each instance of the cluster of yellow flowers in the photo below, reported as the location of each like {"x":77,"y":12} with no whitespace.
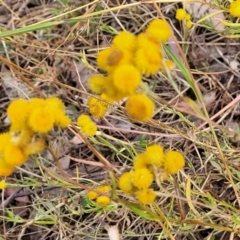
{"x":234,"y":8}
{"x":128,"y":59}
{"x":30,"y":120}
{"x":153,"y":164}
{"x":182,"y":15}
{"x":101,"y":200}
{"x":87,"y":126}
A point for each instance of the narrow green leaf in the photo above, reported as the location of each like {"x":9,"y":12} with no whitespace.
{"x":181,"y":66}
{"x":140,"y":212}
{"x":34,"y":27}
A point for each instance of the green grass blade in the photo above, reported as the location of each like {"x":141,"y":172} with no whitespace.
{"x":182,"y":67}
{"x":34,"y":27}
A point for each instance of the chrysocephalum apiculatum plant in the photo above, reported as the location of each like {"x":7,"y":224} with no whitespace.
{"x":125,"y":62}
{"x":151,"y":165}
{"x":31,"y":120}
{"x":185,"y":17}
{"x":101,"y":195}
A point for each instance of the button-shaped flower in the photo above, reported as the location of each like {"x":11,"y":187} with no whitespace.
{"x":97,"y":107}
{"x":154,"y":155}
{"x":126,"y":79}
{"x":174,"y":161}
{"x":41,"y":120}
{"x":5,"y":168}
{"x":103,"y":201}
{"x":109,"y":58}
{"x":125,"y":40}
{"x":126,"y":182}
{"x":160,"y":30}
{"x":148,"y":60}
{"x":14,"y":155}
{"x":146,"y":196}
{"x":140,"y":108}
{"x":181,"y":14}
{"x":142,"y":178}
{"x":234,"y":8}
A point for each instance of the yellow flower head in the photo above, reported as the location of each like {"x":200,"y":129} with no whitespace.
{"x":103,"y":201}
{"x":188,"y":17}
{"x":142,"y":178}
{"x":5,"y":139}
{"x":234,"y":8}
{"x":34,"y":147}
{"x":107,"y":98}
{"x":159,"y":30}
{"x":144,"y":41}
{"x":2,"y":184}
{"x":17,"y":112}
{"x":56,"y":106}
{"x":112,"y":94}
{"x":89,"y":129}
{"x":36,"y":103}
{"x":189,"y":24}
{"x":112,"y":57}
{"x":181,"y":14}
{"x":62,"y":120}
{"x":41,"y":120}
{"x":146,"y":196}
{"x":97,"y":83}
{"x":148,"y":60}
{"x":154,"y":155}
{"x":140,"y":161}
{"x":83,"y":120}
{"x":126,"y":182}
{"x":14,"y":155}
{"x":140,"y":108}
{"x":170,"y":65}
{"x":20,"y":136}
{"x":5,"y":168}
{"x":55,"y":103}
{"x":86,"y":124}
{"x":92,"y":195}
{"x":104,"y":189}
{"x":126,"y":79}
{"x":174,"y":161}
{"x":97,"y":107}
{"x":125,"y":40}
